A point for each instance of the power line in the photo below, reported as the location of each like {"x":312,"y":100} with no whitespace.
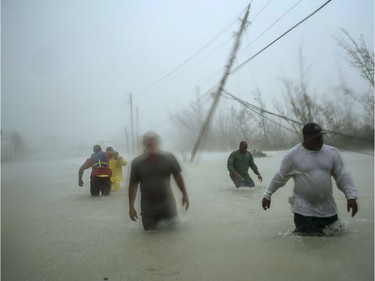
{"x":282,"y":16}
{"x":262,"y":111}
{"x":175,"y":114}
{"x":278,"y":38}
{"x":161,"y":79}
{"x":261,"y":10}
{"x":197,"y":62}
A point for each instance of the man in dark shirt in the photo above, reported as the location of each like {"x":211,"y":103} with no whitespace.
{"x":152,"y":170}
{"x":238,"y":165}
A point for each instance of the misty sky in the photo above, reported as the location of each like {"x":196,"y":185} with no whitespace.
{"x":68,"y":66}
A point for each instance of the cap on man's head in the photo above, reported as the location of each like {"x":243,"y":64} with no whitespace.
{"x":312,"y":130}
{"x":109,"y":148}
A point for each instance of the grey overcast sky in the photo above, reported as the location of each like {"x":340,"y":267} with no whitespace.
{"x":68,"y":66}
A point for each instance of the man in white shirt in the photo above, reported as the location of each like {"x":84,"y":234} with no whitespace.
{"x":311,"y":165}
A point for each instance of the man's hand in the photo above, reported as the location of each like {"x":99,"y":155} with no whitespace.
{"x":133,"y":214}
{"x":80,"y":182}
{"x":185,"y":201}
{"x":237,"y":176}
{"x":352,"y":204}
{"x":260,"y":178}
{"x":266,"y":204}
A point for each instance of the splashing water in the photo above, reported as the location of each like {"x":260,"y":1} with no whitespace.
{"x":336,"y":229}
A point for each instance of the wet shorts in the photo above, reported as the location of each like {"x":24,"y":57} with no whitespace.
{"x":100,"y":185}
{"x":244,"y":182}
{"x":151,"y":222}
{"x":313,"y":226}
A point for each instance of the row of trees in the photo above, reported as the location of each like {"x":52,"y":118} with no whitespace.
{"x":13,"y":146}
{"x":349,"y":117}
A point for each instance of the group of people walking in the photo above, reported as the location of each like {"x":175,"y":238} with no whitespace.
{"x":311,"y":164}
{"x":106,"y":171}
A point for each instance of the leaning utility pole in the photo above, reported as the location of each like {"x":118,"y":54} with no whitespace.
{"x":223,"y":80}
{"x":127,"y":140}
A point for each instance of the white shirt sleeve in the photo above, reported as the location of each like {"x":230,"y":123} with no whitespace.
{"x":343,"y":179}
{"x":280,"y":178}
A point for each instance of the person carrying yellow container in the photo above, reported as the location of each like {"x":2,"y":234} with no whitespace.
{"x":116,"y":162}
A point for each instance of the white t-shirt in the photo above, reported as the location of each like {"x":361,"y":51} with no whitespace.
{"x":312,"y":171}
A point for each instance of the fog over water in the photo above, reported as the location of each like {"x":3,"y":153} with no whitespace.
{"x":53,"y":230}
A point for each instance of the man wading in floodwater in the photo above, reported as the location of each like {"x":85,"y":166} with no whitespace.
{"x":100,"y":174}
{"x":238,"y":166}
{"x":311,"y":165}
{"x":152,"y":170}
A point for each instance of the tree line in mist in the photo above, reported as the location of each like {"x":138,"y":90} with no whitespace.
{"x":13,"y":146}
{"x":346,"y":114}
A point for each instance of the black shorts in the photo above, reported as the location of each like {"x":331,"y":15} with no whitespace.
{"x":151,"y":222}
{"x":100,"y":184}
{"x":312,"y":225}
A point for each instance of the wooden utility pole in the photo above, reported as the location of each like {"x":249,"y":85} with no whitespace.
{"x":127,"y":140}
{"x":223,"y":80}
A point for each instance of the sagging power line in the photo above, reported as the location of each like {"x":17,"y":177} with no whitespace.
{"x":262,"y":112}
{"x":275,"y":22}
{"x":278,"y":38}
{"x":186,"y":61}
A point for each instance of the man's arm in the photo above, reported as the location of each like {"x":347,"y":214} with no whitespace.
{"x":345,"y":183}
{"x":132,"y":195}
{"x":278,"y":180}
{"x":343,"y":179}
{"x":254,"y":167}
{"x":121,"y":160}
{"x":133,"y":186}
{"x":181,"y":185}
{"x":84,"y":166}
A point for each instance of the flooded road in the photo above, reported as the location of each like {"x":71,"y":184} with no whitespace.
{"x":53,"y":230}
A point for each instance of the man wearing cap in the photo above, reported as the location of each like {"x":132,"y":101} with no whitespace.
{"x":311,"y":165}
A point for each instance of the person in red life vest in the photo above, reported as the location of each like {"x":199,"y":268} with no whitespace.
{"x":100,"y":174}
